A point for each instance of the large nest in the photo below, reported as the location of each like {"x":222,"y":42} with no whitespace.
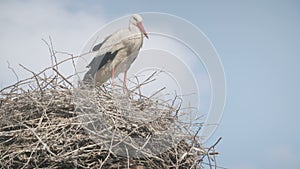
{"x":42,"y":125}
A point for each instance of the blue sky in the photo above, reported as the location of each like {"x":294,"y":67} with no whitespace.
{"x":257,"y":41}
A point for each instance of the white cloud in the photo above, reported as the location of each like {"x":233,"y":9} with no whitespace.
{"x":23,"y":25}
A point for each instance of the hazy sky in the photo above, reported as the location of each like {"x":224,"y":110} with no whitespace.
{"x":257,"y":40}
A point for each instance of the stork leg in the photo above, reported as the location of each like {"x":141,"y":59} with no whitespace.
{"x":124,"y":82}
{"x":112,"y":78}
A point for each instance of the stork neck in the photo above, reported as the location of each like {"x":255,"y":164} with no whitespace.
{"x":134,"y":28}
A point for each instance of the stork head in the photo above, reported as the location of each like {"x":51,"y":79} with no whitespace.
{"x":136,"y":20}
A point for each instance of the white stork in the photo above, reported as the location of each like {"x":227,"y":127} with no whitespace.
{"x":116,"y":53}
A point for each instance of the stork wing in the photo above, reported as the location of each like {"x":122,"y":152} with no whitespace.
{"x":112,"y":43}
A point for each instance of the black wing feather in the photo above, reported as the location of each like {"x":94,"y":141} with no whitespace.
{"x":97,"y":63}
{"x":97,"y":47}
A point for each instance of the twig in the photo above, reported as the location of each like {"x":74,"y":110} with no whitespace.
{"x":14,"y":72}
{"x":40,"y":140}
{"x":66,"y":80}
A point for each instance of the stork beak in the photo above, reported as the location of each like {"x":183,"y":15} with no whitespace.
{"x":141,"y":27}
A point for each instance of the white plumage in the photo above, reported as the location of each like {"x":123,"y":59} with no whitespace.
{"x":116,"y":53}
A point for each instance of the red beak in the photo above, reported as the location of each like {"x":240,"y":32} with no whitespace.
{"x":141,"y":27}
